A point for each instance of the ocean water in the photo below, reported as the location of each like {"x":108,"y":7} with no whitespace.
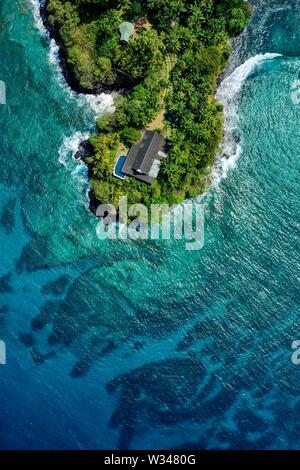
{"x":146,"y":345}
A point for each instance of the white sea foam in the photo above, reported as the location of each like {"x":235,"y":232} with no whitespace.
{"x":36,"y":4}
{"x":228,"y":94}
{"x":70,"y":146}
{"x":78,"y":169}
{"x":80,"y":173}
{"x":103,"y":103}
{"x":53,"y":53}
{"x":98,"y":103}
{"x":54,"y":60}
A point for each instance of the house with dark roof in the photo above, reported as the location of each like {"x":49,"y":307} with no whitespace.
{"x":144,"y":158}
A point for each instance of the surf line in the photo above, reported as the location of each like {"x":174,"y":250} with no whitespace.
{"x":99,"y":104}
{"x":228,"y":94}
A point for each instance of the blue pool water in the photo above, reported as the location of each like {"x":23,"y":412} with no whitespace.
{"x":119,"y":166}
{"x":116,"y":344}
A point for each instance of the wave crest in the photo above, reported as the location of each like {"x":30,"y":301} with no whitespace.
{"x":36,"y":6}
{"x":228,"y":94}
{"x":77,"y":168}
{"x":97,"y":103}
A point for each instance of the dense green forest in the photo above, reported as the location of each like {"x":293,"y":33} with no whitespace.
{"x":169,"y":70}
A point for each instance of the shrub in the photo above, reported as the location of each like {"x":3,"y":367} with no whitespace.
{"x":130,"y":136}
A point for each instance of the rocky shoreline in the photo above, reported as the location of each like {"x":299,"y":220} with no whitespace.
{"x":118,"y":86}
{"x":85,"y":148}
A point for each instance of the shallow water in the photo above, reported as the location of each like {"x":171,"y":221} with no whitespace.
{"x":139,"y":345}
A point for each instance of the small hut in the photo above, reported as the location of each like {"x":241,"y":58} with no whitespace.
{"x":126,"y":29}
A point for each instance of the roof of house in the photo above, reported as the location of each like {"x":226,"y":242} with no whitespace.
{"x":144,"y":157}
{"x":126,"y":29}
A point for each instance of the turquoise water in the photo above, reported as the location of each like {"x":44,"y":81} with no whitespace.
{"x":139,"y":345}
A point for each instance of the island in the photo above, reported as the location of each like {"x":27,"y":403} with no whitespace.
{"x":163,"y":59}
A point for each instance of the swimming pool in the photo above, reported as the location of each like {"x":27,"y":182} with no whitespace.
{"x":118,"y":167}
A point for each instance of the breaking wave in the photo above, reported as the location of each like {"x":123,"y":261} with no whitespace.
{"x":228,"y":94}
{"x":70,"y":146}
{"x":36,"y":5}
{"x":97,"y":103}
{"x":77,"y":168}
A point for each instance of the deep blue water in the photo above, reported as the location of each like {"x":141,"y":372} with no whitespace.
{"x":146,"y":345}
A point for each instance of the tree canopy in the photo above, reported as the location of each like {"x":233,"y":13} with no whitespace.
{"x":169,"y":70}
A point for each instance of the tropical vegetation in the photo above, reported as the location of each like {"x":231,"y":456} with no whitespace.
{"x":167,"y":78}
